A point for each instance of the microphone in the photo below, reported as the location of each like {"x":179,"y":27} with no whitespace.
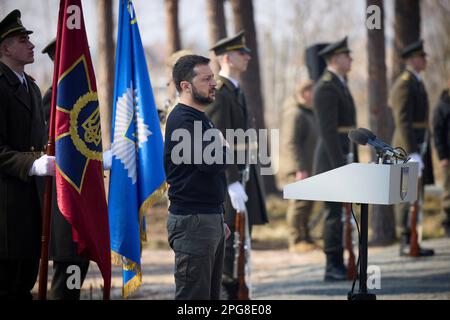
{"x":364,"y":136}
{"x":358,"y":137}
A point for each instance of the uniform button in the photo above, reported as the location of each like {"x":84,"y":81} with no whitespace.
{"x":32,"y":148}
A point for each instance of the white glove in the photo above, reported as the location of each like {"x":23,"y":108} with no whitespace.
{"x":415,"y":157}
{"x":107,"y":159}
{"x":238,"y":196}
{"x":44,"y":166}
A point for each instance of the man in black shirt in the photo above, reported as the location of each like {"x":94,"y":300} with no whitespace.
{"x":196,"y":176}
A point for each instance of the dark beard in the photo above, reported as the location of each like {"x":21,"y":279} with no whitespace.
{"x":199,"y":99}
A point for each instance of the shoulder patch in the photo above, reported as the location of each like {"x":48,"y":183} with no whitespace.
{"x":327,"y":77}
{"x":405,"y":76}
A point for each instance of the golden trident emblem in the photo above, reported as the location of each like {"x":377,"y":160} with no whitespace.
{"x":92,"y":128}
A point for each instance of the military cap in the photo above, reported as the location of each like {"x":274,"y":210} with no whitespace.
{"x":316,"y":64}
{"x":413,"y":49}
{"x":236,"y":42}
{"x":12,"y":25}
{"x":335,"y":48}
{"x":50,"y":48}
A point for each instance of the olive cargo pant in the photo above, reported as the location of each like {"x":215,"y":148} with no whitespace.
{"x":198,"y":241}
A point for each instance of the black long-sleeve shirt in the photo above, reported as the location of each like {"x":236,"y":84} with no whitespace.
{"x":194,"y":186}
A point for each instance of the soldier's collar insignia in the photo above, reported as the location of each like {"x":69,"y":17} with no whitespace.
{"x":405,"y":76}
{"x":219,"y":83}
{"x":327,"y":76}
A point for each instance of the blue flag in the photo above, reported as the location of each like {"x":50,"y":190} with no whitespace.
{"x":137,"y":177}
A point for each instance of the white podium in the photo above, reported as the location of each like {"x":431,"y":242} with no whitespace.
{"x":363,"y":184}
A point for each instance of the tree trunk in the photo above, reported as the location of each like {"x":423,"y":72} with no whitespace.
{"x":251,"y":80}
{"x":173,"y":43}
{"x":173,"y":28}
{"x":407,"y":30}
{"x":217,"y":26}
{"x":105,"y":72}
{"x":382,"y":217}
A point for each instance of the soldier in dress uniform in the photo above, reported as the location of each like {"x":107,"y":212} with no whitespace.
{"x":409,"y":102}
{"x":62,"y":249}
{"x":336,"y":116}
{"x":22,"y":162}
{"x":441,"y":128}
{"x":298,"y":142}
{"x":230,"y":111}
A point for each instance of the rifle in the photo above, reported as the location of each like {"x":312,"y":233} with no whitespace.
{"x":414,"y":210}
{"x":348,"y":242}
{"x":242,"y":248}
{"x":413,"y":215}
{"x":348,"y":226}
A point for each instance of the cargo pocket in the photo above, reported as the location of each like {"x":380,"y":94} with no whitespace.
{"x":188,"y":267}
{"x":171,"y":224}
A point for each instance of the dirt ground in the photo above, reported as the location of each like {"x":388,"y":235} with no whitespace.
{"x":279,"y":274}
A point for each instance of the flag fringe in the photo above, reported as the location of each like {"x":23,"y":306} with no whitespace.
{"x":147,"y":204}
{"x":128,"y":265}
{"x":132,"y":285}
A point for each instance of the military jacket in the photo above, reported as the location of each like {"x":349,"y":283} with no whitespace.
{"x":229,"y":111}
{"x":22,"y":141}
{"x":336,"y":116}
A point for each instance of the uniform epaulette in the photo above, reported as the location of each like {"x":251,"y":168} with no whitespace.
{"x":405,"y":76}
{"x":327,"y":77}
{"x":34,"y":80}
{"x":219,"y":84}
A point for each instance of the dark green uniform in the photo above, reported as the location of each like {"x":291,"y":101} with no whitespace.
{"x":409,"y":102}
{"x":441,"y":128}
{"x":22,"y":139}
{"x":336,"y":116}
{"x":298,"y":142}
{"x":229,"y":111}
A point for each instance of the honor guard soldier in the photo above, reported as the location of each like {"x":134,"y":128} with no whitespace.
{"x":22,"y":162}
{"x":409,"y":102}
{"x":62,"y":249}
{"x":230,"y":111}
{"x":441,"y":128}
{"x":336,"y":116}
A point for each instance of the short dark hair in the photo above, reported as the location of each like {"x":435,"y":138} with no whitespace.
{"x":183,"y":70}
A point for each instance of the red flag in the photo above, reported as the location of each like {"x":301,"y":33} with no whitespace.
{"x":75,"y":125}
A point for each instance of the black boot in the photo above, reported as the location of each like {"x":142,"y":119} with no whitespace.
{"x":405,"y":247}
{"x":446,"y":223}
{"x":404,"y":244}
{"x":230,"y":288}
{"x":335,"y":269}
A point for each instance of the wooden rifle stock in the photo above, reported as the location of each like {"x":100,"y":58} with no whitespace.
{"x":413,"y":213}
{"x":243,"y":292}
{"x":47,"y":211}
{"x":351,"y":266}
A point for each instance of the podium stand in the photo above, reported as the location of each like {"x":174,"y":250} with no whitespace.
{"x":364,"y":184}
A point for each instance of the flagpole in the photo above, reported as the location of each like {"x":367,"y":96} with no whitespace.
{"x":48,"y":200}
{"x":48,"y":189}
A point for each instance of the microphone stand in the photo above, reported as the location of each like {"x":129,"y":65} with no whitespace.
{"x":362,"y":293}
